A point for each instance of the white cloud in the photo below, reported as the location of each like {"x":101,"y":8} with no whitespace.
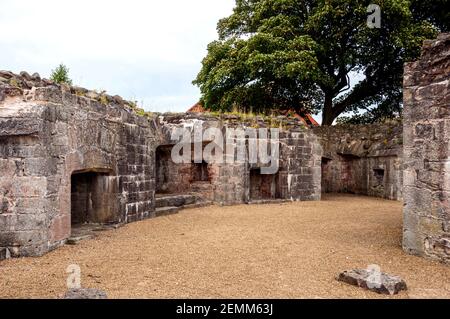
{"x":148,"y":50}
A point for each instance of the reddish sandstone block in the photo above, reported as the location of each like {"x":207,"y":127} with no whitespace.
{"x":60,"y":228}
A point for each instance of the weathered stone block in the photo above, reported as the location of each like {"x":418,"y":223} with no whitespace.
{"x":374,"y":281}
{"x":85,"y":293}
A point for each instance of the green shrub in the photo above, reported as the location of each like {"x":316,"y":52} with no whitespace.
{"x":61,"y":75}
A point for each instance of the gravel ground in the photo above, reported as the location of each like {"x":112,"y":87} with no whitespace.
{"x":292,"y":250}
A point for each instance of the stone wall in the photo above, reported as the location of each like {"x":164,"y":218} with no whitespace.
{"x":362,"y":159}
{"x":50,"y":136}
{"x":298,"y":177}
{"x":70,"y":156}
{"x":427,"y":152}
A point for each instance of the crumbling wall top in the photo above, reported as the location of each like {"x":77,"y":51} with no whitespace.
{"x":372,"y":140}
{"x":24,"y":86}
{"x":433,"y":65}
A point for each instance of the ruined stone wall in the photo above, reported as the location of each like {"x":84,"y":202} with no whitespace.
{"x":72,"y":156}
{"x":171,"y":178}
{"x":300,"y":165}
{"x":46,"y":135}
{"x":298,"y":177}
{"x":427,"y":152}
{"x":362,"y":159}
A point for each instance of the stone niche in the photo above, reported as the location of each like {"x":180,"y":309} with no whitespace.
{"x":363,"y":159}
{"x":427,"y":152}
{"x":93,"y":198}
{"x":69,"y":157}
{"x":182,"y":178}
{"x":264,"y":186}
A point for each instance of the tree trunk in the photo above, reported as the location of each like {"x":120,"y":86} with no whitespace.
{"x":328,"y":116}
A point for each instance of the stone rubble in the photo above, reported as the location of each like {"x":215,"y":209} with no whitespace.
{"x":380,"y":283}
{"x":85,"y":293}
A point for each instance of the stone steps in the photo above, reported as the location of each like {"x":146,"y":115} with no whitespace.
{"x":198,"y":205}
{"x":175,"y":200}
{"x":88,"y":231}
{"x":166,"y":211}
{"x":74,"y":240}
{"x":172,"y":204}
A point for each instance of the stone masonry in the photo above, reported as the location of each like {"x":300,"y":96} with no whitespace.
{"x":70,"y":156}
{"x":48,"y":135}
{"x":427,"y":152}
{"x":363,"y":159}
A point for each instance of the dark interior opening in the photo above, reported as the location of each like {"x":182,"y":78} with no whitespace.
{"x":162,"y":166}
{"x":378,"y":173}
{"x":263,"y":186}
{"x":91,"y":198}
{"x":326,"y":175}
{"x":200,"y":172}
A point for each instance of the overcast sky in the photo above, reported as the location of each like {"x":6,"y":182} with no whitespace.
{"x":145,"y":50}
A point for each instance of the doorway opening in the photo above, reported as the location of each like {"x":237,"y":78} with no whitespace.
{"x":92,"y":199}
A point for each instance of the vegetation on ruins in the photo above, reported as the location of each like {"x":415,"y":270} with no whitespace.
{"x":302,"y":54}
{"x":61,"y":75}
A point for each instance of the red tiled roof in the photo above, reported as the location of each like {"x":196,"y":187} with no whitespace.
{"x":197,"y":108}
{"x":307,"y":119}
{"x":312,"y":120}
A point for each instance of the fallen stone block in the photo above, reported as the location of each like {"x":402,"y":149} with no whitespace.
{"x":85,"y":293}
{"x":374,"y":281}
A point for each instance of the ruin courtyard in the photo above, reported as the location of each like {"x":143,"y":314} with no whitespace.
{"x":89,"y":179}
{"x":291,"y":250}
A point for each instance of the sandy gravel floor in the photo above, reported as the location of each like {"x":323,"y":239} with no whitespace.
{"x":292,"y":250}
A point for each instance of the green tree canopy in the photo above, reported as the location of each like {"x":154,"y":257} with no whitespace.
{"x":301,"y":54}
{"x":61,"y":75}
{"x":434,"y":11}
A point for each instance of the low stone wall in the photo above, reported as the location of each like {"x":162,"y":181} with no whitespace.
{"x":427,"y":152}
{"x":362,"y":159}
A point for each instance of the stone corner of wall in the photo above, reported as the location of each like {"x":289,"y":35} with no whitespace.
{"x":426,"y":187}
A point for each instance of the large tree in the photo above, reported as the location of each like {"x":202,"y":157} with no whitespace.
{"x":302,"y":54}
{"x":435,"y":11}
